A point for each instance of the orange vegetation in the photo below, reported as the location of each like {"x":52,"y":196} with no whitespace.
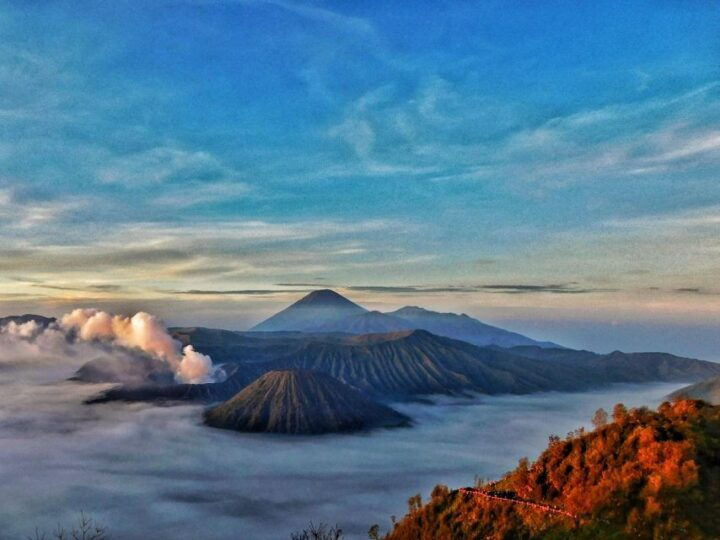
{"x":645,"y":474}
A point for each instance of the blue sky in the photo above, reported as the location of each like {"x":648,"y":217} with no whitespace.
{"x":551,"y":166}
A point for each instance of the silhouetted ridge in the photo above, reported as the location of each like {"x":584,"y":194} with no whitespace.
{"x":42,"y":321}
{"x":301,"y":402}
{"x":463,"y":327}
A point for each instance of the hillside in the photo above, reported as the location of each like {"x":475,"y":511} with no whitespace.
{"x":408,"y":363}
{"x":316,"y":309}
{"x":645,"y":475}
{"x":416,"y":362}
{"x":708,"y":390}
{"x":618,"y":366}
{"x":301,"y":402}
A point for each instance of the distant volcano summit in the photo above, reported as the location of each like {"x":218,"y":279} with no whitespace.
{"x":301,"y":402}
{"x":317,"y":309}
{"x":324,"y":311}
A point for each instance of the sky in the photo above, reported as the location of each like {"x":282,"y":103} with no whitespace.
{"x":551,"y":167}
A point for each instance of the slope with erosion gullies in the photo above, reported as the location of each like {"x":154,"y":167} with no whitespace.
{"x":416,"y":362}
{"x":398,"y":365}
{"x":301,"y":402}
{"x":407,"y":364}
{"x":648,"y":474}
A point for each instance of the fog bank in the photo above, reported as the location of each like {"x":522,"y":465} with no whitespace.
{"x":140,"y":468}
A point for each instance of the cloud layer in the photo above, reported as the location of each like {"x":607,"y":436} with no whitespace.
{"x":136,"y":468}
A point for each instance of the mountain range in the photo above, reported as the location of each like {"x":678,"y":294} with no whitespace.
{"x":327,"y":334}
{"x":325,"y":311}
{"x":42,"y":321}
{"x":414,"y":363}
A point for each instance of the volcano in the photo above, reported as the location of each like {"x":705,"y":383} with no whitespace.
{"x":319,"y":308}
{"x":301,"y":402}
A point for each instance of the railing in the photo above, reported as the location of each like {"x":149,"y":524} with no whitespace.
{"x":511,"y":499}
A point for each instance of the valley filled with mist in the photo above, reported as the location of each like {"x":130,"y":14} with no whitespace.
{"x":139,"y":467}
{"x":116,"y":416}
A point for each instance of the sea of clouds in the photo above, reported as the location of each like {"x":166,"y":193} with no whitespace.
{"x":150,"y":471}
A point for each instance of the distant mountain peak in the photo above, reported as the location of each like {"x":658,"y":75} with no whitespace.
{"x":411,"y":309}
{"x":324,"y":297}
{"x":320,"y":307}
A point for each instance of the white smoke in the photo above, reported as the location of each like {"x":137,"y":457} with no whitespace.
{"x":29,"y":329}
{"x":111,"y":341}
{"x":145,"y":332}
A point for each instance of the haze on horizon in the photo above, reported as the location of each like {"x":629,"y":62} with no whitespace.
{"x":553,"y":171}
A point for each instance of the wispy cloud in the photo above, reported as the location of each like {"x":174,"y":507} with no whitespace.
{"x":232,"y":292}
{"x":561,"y":288}
{"x":568,"y":288}
{"x":24,"y":213}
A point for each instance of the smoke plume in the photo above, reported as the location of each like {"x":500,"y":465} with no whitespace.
{"x":129,"y":348}
{"x":142,"y":331}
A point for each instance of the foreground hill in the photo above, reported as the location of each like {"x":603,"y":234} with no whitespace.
{"x":708,"y":390}
{"x":316,"y":309}
{"x":407,"y":364}
{"x":301,"y":402}
{"x":645,"y":475}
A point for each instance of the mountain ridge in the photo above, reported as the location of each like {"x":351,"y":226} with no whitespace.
{"x":412,"y":363}
{"x":326,"y":310}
